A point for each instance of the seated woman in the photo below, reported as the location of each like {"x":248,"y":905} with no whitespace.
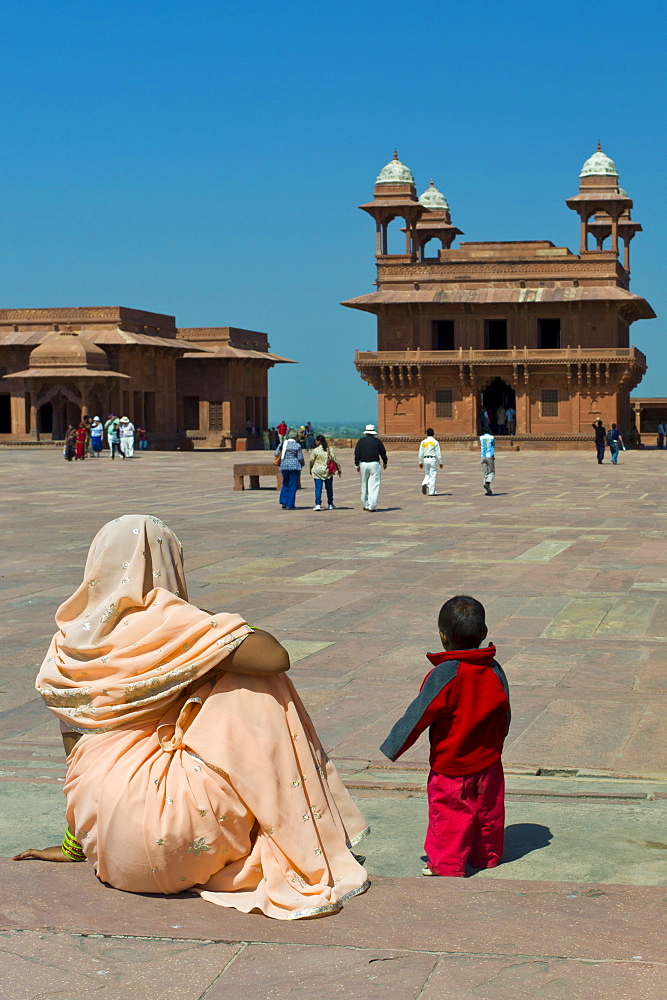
{"x":192,"y":763}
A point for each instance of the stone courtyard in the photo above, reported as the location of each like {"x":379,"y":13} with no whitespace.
{"x":570,"y":560}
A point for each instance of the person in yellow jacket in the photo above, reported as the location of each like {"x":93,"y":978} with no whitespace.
{"x":430,"y":457}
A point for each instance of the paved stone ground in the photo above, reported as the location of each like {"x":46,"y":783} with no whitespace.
{"x":570,"y":559}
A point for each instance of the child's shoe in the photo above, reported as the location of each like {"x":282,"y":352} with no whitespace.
{"x":317,"y":507}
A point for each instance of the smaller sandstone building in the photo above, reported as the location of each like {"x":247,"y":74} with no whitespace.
{"x":523,"y":325}
{"x":58,"y":365}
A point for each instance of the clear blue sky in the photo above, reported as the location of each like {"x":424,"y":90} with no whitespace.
{"x":206,"y":159}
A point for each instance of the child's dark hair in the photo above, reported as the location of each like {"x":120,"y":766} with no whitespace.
{"x":462,"y":619}
{"x":429,"y":432}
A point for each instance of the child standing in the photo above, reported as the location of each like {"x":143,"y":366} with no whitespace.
{"x":464,"y":701}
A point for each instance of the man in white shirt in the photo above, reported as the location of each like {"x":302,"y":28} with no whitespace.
{"x":429,"y":457}
{"x":488,"y":452}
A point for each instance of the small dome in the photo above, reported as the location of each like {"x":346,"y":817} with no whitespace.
{"x":395,"y":173}
{"x":433,"y":199}
{"x":599,"y":165}
{"x":68,"y":350}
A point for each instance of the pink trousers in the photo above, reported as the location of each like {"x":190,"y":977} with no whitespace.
{"x":466,"y":821}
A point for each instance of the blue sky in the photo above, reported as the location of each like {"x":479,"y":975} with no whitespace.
{"x":206,"y":159}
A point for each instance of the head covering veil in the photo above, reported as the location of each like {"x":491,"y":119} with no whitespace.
{"x":128,"y":641}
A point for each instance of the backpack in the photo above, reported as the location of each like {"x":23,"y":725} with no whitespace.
{"x":610,"y":438}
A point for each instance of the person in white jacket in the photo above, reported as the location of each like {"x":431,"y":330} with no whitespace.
{"x":126,"y":437}
{"x":430,"y":457}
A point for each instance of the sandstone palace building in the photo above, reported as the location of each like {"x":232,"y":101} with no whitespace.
{"x":203,"y":384}
{"x":522,"y":324}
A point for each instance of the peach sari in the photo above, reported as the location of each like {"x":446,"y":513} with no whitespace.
{"x":187,"y":777}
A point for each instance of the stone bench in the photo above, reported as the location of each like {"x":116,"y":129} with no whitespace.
{"x":254,"y":470}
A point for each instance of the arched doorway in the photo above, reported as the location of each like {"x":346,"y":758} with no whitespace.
{"x":46,"y":418}
{"x":498,"y":393}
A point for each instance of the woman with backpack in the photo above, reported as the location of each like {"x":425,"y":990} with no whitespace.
{"x":323,"y":467}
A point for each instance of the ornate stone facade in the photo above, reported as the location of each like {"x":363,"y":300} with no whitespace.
{"x":59,"y":364}
{"x":526,"y":325}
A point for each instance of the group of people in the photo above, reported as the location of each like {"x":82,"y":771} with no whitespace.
{"x":323,"y":466}
{"x":87,"y":440}
{"x":500,"y":421}
{"x":274,"y":436}
{"x":612,"y":439}
{"x":370,"y":459}
{"x":171,"y":783}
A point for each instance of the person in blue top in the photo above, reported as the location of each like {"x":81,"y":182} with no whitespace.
{"x":614,"y":440}
{"x":291,"y":462}
{"x":488,"y":451}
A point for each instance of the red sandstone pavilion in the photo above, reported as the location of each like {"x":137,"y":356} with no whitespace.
{"x":522,"y":324}
{"x":201,"y":384}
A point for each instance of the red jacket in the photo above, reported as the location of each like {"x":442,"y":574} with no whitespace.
{"x":464,"y":701}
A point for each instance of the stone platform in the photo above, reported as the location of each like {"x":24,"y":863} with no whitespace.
{"x":570,"y":559}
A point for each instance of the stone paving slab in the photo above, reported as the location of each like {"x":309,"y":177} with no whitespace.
{"x":281,"y":972}
{"x":56,"y":966}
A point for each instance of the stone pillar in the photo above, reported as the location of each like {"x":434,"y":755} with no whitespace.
{"x":526,"y":403}
{"x":34,"y":431}
{"x":584,"y":236}
{"x":18,"y":413}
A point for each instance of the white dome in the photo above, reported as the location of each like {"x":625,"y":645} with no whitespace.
{"x":395,"y":172}
{"x":599,"y":165}
{"x":433,"y":199}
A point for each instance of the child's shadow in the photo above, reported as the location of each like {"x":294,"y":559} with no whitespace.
{"x":524,"y":838}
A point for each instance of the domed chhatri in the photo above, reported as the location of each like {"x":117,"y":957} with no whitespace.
{"x":68,"y":350}
{"x":599,"y":165}
{"x":433,"y":199}
{"x":395,"y":172}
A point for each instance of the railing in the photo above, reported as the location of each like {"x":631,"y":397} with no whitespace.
{"x":470,"y":355}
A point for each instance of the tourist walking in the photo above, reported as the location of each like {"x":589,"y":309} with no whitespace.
{"x":323,"y":467}
{"x":291,"y":463}
{"x":96,"y":436}
{"x":113,"y":437}
{"x":614,"y":440}
{"x":192,"y":764}
{"x":501,"y":419}
{"x":430,"y":457}
{"x":126,"y":437}
{"x":282,"y":431}
{"x":488,"y":455}
{"x":69,"y":451}
{"x":310,"y":436}
{"x":368,"y":453}
{"x":81,"y":435}
{"x":510,"y":415}
{"x":143,"y":439}
{"x":600,"y":439}
{"x":89,"y":441}
{"x":661,"y":435}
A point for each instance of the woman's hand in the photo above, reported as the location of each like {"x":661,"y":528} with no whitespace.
{"x":48,"y":854}
{"x":260,"y":653}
